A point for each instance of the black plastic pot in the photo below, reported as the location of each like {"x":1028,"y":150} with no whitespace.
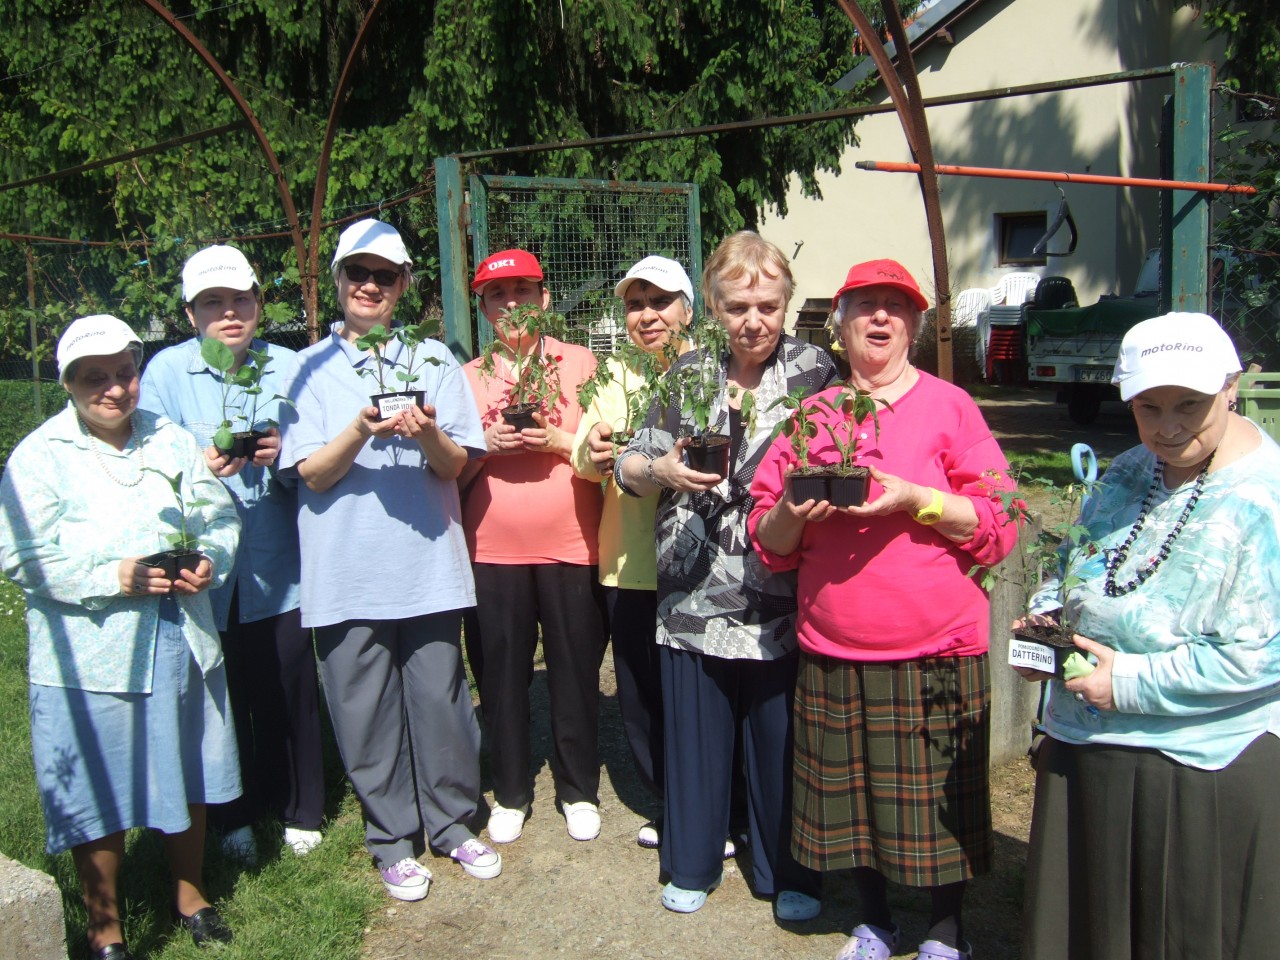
{"x":171,"y":561}
{"x":244,"y":443}
{"x":708,"y":453}
{"x":521,"y":416}
{"x":848,"y":489}
{"x":808,"y":484}
{"x":1043,"y":648}
{"x":389,"y":404}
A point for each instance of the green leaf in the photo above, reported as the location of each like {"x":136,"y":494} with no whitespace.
{"x":217,"y":354}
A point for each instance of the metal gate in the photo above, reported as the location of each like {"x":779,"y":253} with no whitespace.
{"x":586,"y":233}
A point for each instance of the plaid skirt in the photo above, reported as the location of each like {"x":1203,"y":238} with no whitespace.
{"x":891,"y":767}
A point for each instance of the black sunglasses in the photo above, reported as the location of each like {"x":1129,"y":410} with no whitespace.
{"x":383,"y":278}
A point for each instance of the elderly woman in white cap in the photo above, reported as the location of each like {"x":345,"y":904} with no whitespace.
{"x":657,"y":298}
{"x":385,"y":571}
{"x":271,"y":665}
{"x":1156,"y":830}
{"x":130,"y":721}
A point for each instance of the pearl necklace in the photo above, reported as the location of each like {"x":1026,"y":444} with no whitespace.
{"x":95,"y":443}
{"x":1119,"y":556}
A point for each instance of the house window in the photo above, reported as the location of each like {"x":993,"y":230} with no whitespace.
{"x":1016,"y":234}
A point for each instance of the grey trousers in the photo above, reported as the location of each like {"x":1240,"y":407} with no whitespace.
{"x":406,"y":729}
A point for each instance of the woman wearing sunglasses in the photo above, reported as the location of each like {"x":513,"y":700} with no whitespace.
{"x":385,"y":571}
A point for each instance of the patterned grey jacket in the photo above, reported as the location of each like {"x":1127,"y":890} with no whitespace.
{"x":715,"y":596}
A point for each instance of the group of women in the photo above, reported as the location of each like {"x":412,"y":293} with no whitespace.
{"x":828,"y":663}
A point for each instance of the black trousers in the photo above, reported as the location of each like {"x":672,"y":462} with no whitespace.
{"x":708,"y":703}
{"x":633,"y":619}
{"x":512,"y":602}
{"x":275,"y":701}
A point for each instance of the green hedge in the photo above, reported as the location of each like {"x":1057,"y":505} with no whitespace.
{"x":18,"y":411}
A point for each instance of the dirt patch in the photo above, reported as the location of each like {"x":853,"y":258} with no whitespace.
{"x":561,"y":898}
{"x":558,"y":897}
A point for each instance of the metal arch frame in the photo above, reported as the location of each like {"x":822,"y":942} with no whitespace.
{"x":305,"y":249}
{"x":904,"y":91}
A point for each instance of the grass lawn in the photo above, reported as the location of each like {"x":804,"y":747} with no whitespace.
{"x":288,"y":908}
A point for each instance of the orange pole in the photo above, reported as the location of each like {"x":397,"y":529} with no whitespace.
{"x":1000,"y":173}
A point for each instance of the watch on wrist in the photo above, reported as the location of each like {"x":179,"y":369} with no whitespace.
{"x":932,"y":512}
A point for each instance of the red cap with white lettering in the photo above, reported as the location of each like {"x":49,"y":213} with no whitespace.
{"x":506,"y":263}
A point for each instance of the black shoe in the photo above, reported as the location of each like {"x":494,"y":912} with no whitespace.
{"x":207,"y":927}
{"x":112,"y":951}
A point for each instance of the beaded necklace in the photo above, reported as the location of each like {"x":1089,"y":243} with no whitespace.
{"x":94,"y":445}
{"x":1119,"y":556}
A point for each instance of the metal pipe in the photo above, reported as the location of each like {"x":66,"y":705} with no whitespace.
{"x":123,"y":157}
{"x":1001,"y":173}
{"x":844,"y":113}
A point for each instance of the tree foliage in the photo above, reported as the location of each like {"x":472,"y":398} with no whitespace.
{"x":82,"y":80}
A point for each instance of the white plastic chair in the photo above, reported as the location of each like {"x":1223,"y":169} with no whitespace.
{"x":973,"y":308}
{"x":1014,"y":289}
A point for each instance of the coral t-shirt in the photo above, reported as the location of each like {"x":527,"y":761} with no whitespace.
{"x":531,"y":507}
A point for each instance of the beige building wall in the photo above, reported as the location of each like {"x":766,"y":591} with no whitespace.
{"x":1106,"y":130}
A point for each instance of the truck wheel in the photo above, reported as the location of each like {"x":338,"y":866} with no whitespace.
{"x":1083,"y":405}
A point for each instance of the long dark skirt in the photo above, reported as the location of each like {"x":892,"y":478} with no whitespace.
{"x":1137,"y":857}
{"x":891,"y":768}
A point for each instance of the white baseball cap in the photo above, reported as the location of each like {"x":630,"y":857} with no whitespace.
{"x":662,"y":273}
{"x":100,"y":335}
{"x":370,"y":236}
{"x":1175,"y":350}
{"x":216,"y":266}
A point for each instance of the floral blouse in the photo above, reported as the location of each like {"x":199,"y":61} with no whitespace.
{"x":715,"y":595}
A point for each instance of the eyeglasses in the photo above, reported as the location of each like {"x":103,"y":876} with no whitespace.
{"x":383,"y":278}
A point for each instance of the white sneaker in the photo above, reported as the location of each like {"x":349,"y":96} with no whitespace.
{"x":582,"y":820}
{"x":505,"y":824}
{"x":302,"y":841}
{"x":240,"y":845}
{"x":649,"y":837}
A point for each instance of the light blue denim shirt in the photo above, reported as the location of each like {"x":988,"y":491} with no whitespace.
{"x":1197,"y":668}
{"x":65,"y":525}
{"x":385,"y":542}
{"x":178,"y":384}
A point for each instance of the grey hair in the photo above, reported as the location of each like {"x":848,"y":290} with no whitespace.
{"x":915,"y":317}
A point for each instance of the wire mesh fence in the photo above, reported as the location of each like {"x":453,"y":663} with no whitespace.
{"x":587,"y":233}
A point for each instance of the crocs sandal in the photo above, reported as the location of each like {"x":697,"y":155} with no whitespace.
{"x":680,"y":900}
{"x":937,"y":950}
{"x":871,"y":943}
{"x":792,"y":906}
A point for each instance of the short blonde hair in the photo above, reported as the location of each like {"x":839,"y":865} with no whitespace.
{"x":744,"y":253}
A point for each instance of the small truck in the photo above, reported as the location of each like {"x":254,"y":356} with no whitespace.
{"x":1076,"y":347}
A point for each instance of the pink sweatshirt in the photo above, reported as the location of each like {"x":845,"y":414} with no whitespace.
{"x":888,"y":588}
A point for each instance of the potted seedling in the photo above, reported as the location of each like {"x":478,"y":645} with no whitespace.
{"x":800,"y":428}
{"x":1047,"y":647}
{"x":534,"y":376}
{"x":240,"y":389}
{"x":184,"y":552}
{"x":404,"y":371}
{"x":639,"y":386}
{"x":699,"y":383}
{"x":846,"y":481}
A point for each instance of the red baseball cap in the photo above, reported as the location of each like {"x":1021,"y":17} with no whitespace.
{"x":506,"y":263}
{"x":882,"y":273}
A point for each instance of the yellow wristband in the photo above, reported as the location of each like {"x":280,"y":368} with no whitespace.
{"x":932,"y":513}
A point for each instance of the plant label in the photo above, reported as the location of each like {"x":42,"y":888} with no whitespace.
{"x":1033,"y":656}
{"x":389,"y":404}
